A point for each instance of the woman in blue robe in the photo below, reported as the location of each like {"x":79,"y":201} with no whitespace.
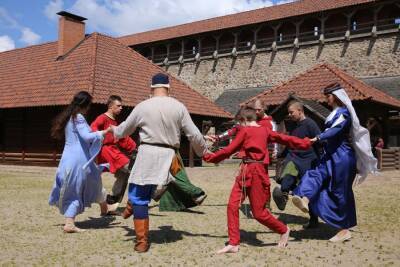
{"x":327,"y":189}
{"x":78,"y":182}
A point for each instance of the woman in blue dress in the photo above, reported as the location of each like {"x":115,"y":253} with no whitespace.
{"x":78,"y":182}
{"x":327,"y":189}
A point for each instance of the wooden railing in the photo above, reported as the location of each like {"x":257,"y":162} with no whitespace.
{"x":27,"y":158}
{"x":245,"y":46}
{"x":388,"y":159}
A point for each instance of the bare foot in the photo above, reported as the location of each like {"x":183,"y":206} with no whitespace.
{"x":341,"y":236}
{"x":113,"y":207}
{"x":229,"y":249}
{"x":71,"y":228}
{"x":283,"y":241}
{"x":301,"y":203}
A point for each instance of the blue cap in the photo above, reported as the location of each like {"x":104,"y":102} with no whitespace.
{"x":160,"y":80}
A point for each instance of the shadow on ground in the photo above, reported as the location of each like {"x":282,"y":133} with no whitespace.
{"x":167,"y":234}
{"x":290,"y":218}
{"x":98,"y":223}
{"x":250,"y":238}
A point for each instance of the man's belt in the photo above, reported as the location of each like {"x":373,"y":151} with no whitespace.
{"x":160,"y":145}
{"x":252,"y":161}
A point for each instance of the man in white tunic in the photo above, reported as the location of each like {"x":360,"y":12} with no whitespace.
{"x":160,"y":120}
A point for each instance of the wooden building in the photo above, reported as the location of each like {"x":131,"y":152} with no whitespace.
{"x":376,"y":110}
{"x":312,"y":109}
{"x":38,"y":81}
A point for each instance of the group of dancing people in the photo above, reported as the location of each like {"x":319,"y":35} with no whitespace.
{"x":319,"y":168}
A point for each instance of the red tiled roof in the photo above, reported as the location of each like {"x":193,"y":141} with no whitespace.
{"x":309,"y":85}
{"x":297,"y":8}
{"x":100,"y":65}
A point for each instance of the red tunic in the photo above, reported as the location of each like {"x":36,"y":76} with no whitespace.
{"x":110,"y":152}
{"x":253,"y":180}
{"x":266,"y":121}
{"x":252,"y":142}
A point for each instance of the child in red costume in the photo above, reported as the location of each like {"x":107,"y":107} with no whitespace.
{"x":253,"y":180}
{"x":111,"y":150}
{"x":262,"y":119}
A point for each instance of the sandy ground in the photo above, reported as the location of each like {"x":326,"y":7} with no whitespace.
{"x":30,"y":230}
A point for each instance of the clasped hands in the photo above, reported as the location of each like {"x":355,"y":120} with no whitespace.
{"x":109,"y":129}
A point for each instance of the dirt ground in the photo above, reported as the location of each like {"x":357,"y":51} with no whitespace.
{"x":30,"y":230}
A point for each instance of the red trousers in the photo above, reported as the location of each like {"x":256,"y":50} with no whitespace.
{"x":253,"y":181}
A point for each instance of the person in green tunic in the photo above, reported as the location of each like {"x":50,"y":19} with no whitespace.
{"x":180,"y":194}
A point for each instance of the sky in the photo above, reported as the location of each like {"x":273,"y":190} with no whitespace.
{"x":29,"y":22}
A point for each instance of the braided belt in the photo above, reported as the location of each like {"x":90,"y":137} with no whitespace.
{"x":252,"y":161}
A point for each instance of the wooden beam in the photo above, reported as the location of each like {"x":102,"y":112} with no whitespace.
{"x":152,"y":53}
{"x":191,"y":157}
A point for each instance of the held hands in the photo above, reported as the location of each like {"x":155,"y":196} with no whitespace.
{"x":208,"y":157}
{"x":109,"y":130}
{"x":313,"y":140}
{"x":113,"y":127}
{"x":211,"y":138}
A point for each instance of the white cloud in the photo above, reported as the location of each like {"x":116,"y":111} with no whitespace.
{"x":29,"y":37}
{"x":121,"y":17}
{"x":7,"y":20}
{"x":52,"y":8}
{"x":6,"y":43}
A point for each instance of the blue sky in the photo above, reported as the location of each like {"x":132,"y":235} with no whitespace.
{"x":29,"y":22}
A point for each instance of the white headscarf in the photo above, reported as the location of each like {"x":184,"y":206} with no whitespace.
{"x":366,"y":162}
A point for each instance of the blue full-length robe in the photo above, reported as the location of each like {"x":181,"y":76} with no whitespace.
{"x":78,"y":182}
{"x":329,"y":185}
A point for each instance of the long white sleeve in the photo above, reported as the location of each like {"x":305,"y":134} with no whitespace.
{"x":129,"y":126}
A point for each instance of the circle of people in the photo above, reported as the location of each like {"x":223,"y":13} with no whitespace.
{"x":319,"y":168}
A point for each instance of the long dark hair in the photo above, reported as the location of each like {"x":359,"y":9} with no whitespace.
{"x":81,"y":101}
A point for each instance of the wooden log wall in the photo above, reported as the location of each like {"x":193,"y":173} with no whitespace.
{"x":25,"y":137}
{"x":388,"y":159}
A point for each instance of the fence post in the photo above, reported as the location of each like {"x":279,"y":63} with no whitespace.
{"x":397,"y":158}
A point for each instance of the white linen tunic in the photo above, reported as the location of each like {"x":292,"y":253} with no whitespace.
{"x":160,"y":120}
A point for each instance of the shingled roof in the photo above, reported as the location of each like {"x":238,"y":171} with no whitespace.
{"x":101,"y":65}
{"x":266,"y":14}
{"x":309,"y":85}
{"x":230,"y":99}
{"x":389,"y":85}
{"x":310,"y":106}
